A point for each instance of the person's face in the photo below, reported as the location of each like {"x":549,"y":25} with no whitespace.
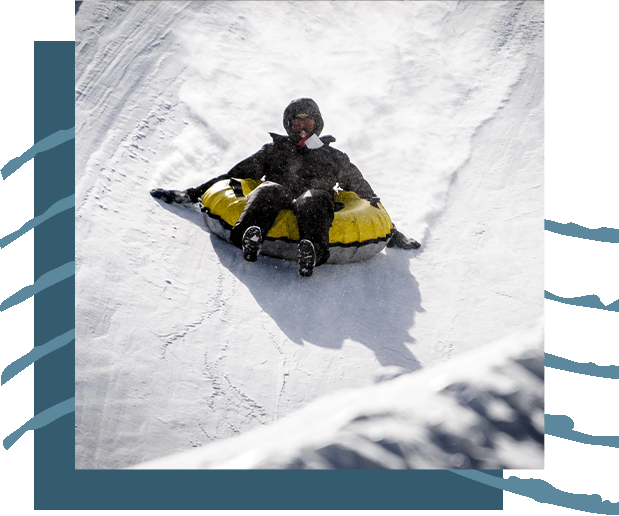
{"x":302,"y":125}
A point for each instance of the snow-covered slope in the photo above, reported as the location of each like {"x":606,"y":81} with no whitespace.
{"x":179,"y":342}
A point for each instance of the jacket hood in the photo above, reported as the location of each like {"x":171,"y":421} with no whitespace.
{"x":303,"y":105}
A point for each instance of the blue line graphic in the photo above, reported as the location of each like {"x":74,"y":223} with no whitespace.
{"x":46,"y":280}
{"x":563,"y":427}
{"x":543,"y":492}
{"x":590,"y":369}
{"x":591,"y":301}
{"x":58,"y":207}
{"x":53,"y":140}
{"x":574,"y":230}
{"x":40,"y":420}
{"x":32,"y":356}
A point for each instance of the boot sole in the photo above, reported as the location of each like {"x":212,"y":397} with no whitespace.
{"x":307,"y":258}
{"x":252,"y":240}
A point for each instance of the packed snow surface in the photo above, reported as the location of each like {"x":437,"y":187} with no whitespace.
{"x":179,"y":341}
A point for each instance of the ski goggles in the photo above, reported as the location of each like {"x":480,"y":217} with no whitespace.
{"x":302,"y":123}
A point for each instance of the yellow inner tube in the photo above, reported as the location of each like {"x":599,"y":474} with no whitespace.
{"x":358,"y":223}
{"x":359,"y":230}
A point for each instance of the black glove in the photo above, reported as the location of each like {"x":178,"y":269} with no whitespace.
{"x":398,"y":239}
{"x":193,"y":194}
{"x":171,"y":196}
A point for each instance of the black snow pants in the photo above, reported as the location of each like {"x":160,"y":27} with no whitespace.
{"x":314,"y":210}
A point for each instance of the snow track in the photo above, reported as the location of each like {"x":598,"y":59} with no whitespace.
{"x":179,"y":341}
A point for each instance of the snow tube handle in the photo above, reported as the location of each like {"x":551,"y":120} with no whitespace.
{"x":237,"y":187}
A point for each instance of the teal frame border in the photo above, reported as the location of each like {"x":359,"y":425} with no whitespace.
{"x":57,"y":485}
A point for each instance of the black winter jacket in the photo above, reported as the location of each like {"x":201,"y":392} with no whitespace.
{"x":299,"y":168}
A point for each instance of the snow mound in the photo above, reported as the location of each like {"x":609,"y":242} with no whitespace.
{"x":481,"y":410}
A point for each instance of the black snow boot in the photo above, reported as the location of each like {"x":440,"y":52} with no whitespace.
{"x":252,"y":241}
{"x":307,"y":258}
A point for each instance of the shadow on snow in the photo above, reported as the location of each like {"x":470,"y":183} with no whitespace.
{"x":372,"y":302}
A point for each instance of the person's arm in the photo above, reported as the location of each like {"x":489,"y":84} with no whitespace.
{"x":249,"y":168}
{"x":351,"y":179}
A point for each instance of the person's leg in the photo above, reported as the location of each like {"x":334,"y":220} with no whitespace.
{"x":263,"y":205}
{"x":315,"y":213}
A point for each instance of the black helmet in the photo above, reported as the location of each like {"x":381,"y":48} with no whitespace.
{"x":306,"y":106}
